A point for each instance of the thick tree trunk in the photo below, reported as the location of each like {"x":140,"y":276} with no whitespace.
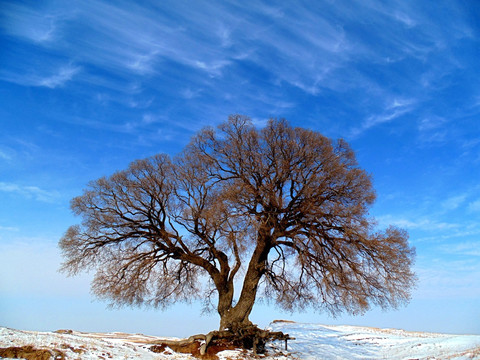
{"x":237,"y":317}
{"x":235,"y":326}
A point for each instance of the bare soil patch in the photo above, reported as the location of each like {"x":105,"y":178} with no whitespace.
{"x":193,"y":348}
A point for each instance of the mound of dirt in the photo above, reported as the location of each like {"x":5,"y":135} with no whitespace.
{"x":193,"y":348}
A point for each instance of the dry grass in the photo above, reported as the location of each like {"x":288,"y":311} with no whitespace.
{"x":28,"y":352}
{"x":469,"y":354}
{"x":283,"y":321}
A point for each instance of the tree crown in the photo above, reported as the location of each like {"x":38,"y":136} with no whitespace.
{"x":287,"y":205}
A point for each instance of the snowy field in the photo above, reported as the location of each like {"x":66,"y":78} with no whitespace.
{"x":324,"y":342}
{"x":313,"y":341}
{"x":103,"y":346}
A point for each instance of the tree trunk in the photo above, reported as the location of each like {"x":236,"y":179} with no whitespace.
{"x":237,"y":317}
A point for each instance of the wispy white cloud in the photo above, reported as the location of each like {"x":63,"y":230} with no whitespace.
{"x":447,"y":221}
{"x":474,"y":206}
{"x":50,"y":79}
{"x":139,"y":102}
{"x":189,"y":93}
{"x":149,"y":118}
{"x":4,"y":155}
{"x":312,"y":46}
{"x":28,"y":23}
{"x":453,"y":202}
{"x":63,"y":75}
{"x":444,"y":277}
{"x":417,"y":224}
{"x":129,"y":38}
{"x":392,"y":110}
{"x":405,"y":18}
{"x":386,"y":116}
{"x":213,"y":68}
{"x":225,"y":35}
{"x":431,"y":123}
{"x":400,"y":103}
{"x":309,"y":47}
{"x":192,"y":50}
{"x":30,"y":192}
{"x":465,"y":200}
{"x":143,"y":63}
{"x":466,"y":230}
{"x":468,"y":248}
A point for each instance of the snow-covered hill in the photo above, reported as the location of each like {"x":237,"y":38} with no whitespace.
{"x":324,"y":342}
{"x":312,"y":341}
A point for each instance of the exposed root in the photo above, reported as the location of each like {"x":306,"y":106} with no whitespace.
{"x":206,"y":346}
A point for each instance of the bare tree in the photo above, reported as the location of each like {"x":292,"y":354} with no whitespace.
{"x":280,"y":212}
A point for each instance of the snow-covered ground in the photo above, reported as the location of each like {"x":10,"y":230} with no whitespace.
{"x":312,"y":341}
{"x":94,"y":346}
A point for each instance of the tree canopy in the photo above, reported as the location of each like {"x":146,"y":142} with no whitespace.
{"x":280,"y":212}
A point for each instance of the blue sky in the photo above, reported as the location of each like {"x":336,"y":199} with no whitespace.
{"x":88,"y":86}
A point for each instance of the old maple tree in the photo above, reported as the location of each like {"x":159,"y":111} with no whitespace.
{"x":280,"y":212}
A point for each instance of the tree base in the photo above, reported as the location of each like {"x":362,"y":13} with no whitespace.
{"x":207,"y":346}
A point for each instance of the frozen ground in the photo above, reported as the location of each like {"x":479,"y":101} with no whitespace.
{"x":324,"y":342}
{"x":313,"y":341}
{"x":95,"y":346}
